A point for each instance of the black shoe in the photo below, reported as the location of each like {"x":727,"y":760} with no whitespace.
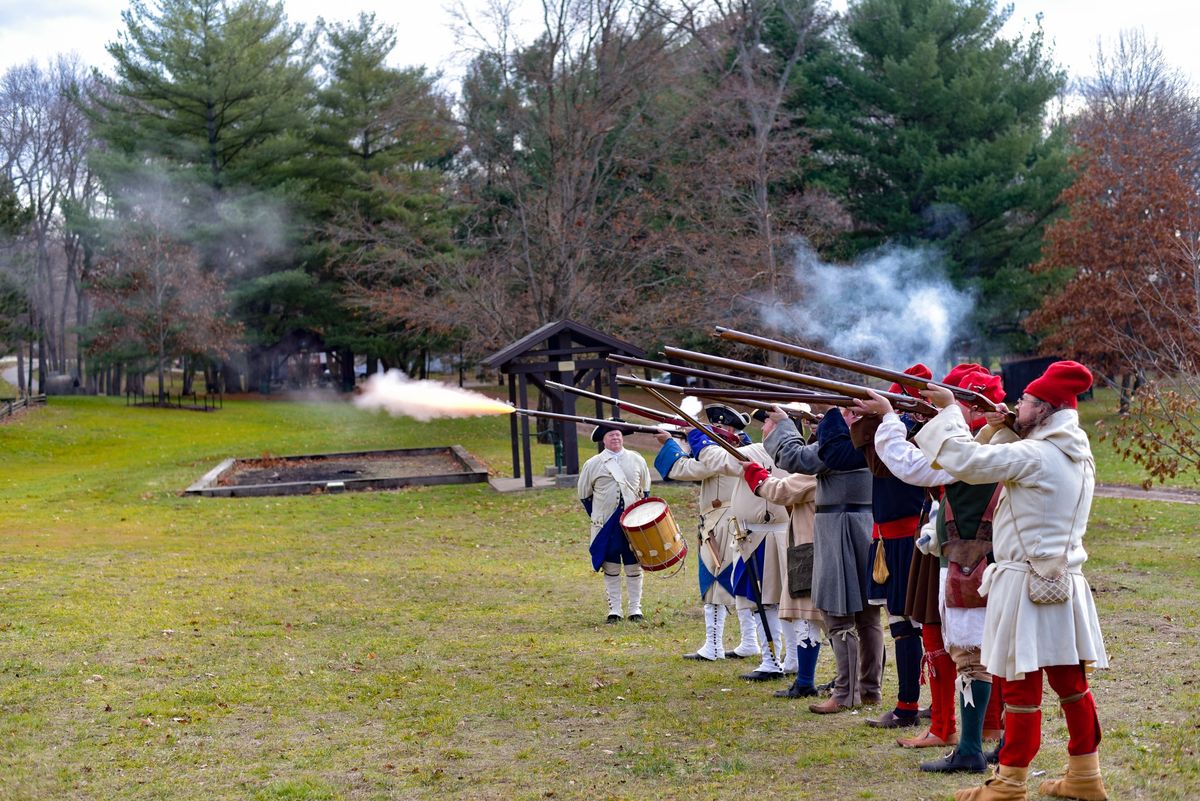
{"x":697,"y":655}
{"x":890,"y":720}
{"x":736,"y":655}
{"x":926,"y":713}
{"x":797,"y":690}
{"x":955,"y":762}
{"x":613,"y":619}
{"x":761,"y":675}
{"x":636,"y":618}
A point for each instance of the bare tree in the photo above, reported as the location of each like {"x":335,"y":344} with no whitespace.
{"x":44,"y":145}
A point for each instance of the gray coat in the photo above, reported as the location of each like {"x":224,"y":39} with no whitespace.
{"x":841,"y":539}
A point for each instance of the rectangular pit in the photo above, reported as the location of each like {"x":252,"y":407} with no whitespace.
{"x":340,"y":472}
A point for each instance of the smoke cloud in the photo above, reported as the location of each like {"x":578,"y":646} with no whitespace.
{"x":423,"y":400}
{"x":893,"y":307}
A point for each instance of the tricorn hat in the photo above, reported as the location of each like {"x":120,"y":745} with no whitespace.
{"x":721,"y":415}
{"x":599,"y":431}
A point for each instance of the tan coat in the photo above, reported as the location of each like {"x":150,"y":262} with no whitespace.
{"x":758,"y":516}
{"x":796,"y":492}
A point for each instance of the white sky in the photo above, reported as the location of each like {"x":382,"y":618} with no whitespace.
{"x":38,"y":29}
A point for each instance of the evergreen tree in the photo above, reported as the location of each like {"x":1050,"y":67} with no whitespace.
{"x":931,"y":127}
{"x":212,"y":94}
{"x":385,"y":140}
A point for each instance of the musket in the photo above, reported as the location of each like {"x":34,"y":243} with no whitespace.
{"x":776,"y":395}
{"x":708,"y":375}
{"x":733,"y":396}
{"x":696,"y":424}
{"x":644,"y":411}
{"x":903,"y":402}
{"x":631,"y":427}
{"x":967,"y":396}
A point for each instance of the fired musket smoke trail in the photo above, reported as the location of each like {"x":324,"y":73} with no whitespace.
{"x":424,"y":400}
{"x":902,"y":402}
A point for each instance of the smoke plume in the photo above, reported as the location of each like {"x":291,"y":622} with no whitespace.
{"x":399,"y":395}
{"x":893,"y":307}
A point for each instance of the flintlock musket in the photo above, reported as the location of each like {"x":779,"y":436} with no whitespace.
{"x":903,"y":402}
{"x":967,"y":396}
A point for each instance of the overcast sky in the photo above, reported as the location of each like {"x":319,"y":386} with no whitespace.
{"x":37,"y":29}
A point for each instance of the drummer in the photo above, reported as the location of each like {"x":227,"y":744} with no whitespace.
{"x":751,"y":527}
{"x":609,"y":482}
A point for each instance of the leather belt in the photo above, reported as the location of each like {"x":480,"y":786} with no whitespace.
{"x":832,"y":508}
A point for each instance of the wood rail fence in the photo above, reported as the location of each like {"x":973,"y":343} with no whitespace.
{"x":10,"y":406}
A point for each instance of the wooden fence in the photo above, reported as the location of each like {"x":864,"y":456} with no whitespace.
{"x":10,"y":406}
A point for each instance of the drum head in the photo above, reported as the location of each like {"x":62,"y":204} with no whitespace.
{"x":643,"y":513}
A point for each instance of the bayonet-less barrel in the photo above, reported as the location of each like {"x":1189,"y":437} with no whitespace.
{"x":635,"y":408}
{"x":902,"y":402}
{"x":733,"y":396}
{"x":623,"y":426}
{"x":704,"y":375}
{"x":967,"y":396}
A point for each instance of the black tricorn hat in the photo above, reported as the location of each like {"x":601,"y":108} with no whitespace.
{"x":721,"y":415}
{"x":599,"y":431}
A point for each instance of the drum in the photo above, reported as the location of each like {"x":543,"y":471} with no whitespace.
{"x":653,"y":534}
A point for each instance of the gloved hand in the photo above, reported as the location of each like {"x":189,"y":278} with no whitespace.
{"x":755,"y":474}
{"x":927,"y":541}
{"x":698,"y":441}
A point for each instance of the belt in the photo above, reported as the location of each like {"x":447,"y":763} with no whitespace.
{"x":832,"y":508}
{"x":896,"y":529}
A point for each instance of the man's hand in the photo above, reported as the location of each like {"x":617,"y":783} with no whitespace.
{"x":777,"y":414}
{"x":876,"y":405}
{"x":999,"y":417}
{"x":662,"y":437}
{"x":851,"y":416}
{"x":938,"y":396}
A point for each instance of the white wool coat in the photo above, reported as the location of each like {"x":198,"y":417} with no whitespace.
{"x":754,"y":514}
{"x":596,"y":482}
{"x":1048,"y":480}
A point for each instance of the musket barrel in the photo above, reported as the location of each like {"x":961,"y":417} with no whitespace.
{"x":904,"y":402}
{"x":862,"y":368}
{"x":636,"y":408}
{"x":573,"y":418}
{"x":708,"y":375}
{"x":733,"y":396}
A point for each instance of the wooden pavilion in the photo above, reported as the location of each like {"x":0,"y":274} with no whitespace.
{"x":568,"y":353}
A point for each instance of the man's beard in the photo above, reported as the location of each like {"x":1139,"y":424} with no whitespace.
{"x":1025,"y":430}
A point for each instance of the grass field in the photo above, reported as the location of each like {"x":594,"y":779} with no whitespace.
{"x":445,"y":641}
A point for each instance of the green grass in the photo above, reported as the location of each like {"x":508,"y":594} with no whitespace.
{"x":442,"y":641}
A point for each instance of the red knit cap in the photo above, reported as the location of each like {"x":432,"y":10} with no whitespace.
{"x":959,"y":370}
{"x":920,"y":371}
{"x":1061,"y":383}
{"x":982,"y":381}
